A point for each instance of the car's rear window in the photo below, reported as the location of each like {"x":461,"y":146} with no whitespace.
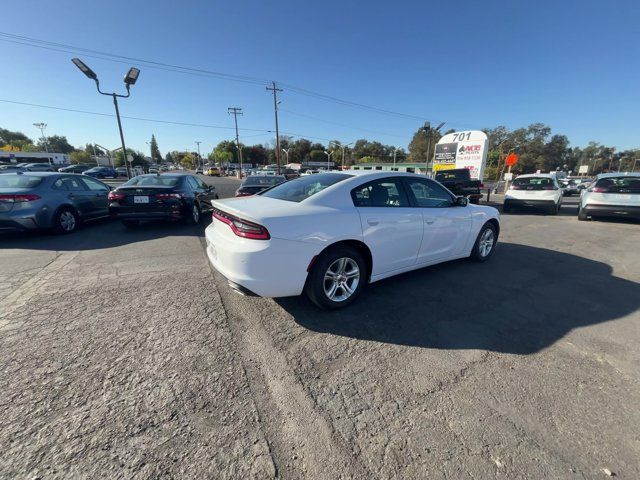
{"x":618,"y":185}
{"x":156,"y":180}
{"x":444,"y":176}
{"x":534,"y":183}
{"x":304,"y":187}
{"x":259,"y":181}
{"x":19,"y":181}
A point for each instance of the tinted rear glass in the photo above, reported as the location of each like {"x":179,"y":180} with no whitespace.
{"x":619,"y":184}
{"x":19,"y":181}
{"x":304,"y":187}
{"x":154,"y":181}
{"x":452,"y":175}
{"x":534,"y":183}
{"x":267,"y":181}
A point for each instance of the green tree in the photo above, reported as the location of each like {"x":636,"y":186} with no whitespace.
{"x":80,"y":156}
{"x":56,"y":144}
{"x":188,"y":161}
{"x":156,"y":156}
{"x":139,"y":159}
{"x":7,"y":136}
{"x":423,"y":145}
{"x":168,"y":158}
{"x":93,"y":149}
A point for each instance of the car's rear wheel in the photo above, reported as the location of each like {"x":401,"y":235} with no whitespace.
{"x":193,"y":216}
{"x":65,"y":221}
{"x":583,"y":217}
{"x":485,"y":243}
{"x":337,"y":278}
{"x":506,"y":207}
{"x":555,"y":209}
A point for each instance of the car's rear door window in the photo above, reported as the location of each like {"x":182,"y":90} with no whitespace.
{"x":304,"y":187}
{"x":386,"y":192}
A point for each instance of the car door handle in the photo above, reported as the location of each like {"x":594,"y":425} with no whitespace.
{"x":429,"y":221}
{"x":373,"y":221}
{"x":71,"y":195}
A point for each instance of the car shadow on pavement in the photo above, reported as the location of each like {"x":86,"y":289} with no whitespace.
{"x":99,"y":234}
{"x":520,"y":301}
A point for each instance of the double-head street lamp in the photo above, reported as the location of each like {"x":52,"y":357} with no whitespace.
{"x":429,"y":131}
{"x":41,"y":126}
{"x":328,"y":154}
{"x":343,"y":147}
{"x":129,"y":79}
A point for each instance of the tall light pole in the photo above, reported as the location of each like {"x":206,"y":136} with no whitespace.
{"x":235,"y":111}
{"x":286,"y":152}
{"x":42,"y":126}
{"x":395,"y":150}
{"x":150,"y":152}
{"x":429,"y":131}
{"x":343,"y":148}
{"x":328,"y":154}
{"x":129,"y":80}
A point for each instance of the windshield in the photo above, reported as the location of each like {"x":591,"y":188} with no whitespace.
{"x":304,"y":187}
{"x":260,"y":181}
{"x":618,"y":185}
{"x":533,"y":183}
{"x":154,"y":181}
{"x":19,"y":181}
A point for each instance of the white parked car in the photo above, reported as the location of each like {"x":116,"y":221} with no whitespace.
{"x":611,"y":195}
{"x":538,"y":190}
{"x":329,"y":235}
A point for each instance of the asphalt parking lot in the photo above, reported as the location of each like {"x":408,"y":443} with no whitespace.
{"x":125,"y":356}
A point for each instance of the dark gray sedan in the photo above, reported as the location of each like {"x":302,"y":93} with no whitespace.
{"x":59,"y":201}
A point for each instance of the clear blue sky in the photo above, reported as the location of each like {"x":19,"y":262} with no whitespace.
{"x":570,"y":64}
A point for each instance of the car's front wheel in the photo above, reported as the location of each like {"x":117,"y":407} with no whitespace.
{"x":485,"y":243}
{"x":337,"y":278}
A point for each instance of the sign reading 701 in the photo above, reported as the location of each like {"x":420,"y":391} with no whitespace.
{"x":459,"y":137}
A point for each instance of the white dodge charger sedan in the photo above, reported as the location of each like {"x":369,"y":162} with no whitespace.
{"x":330,"y":234}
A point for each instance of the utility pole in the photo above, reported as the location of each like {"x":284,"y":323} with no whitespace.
{"x":199,"y":156}
{"x":238,"y":111}
{"x":275,"y":91}
{"x":42,"y":126}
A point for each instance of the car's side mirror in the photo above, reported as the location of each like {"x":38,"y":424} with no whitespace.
{"x":461,"y":201}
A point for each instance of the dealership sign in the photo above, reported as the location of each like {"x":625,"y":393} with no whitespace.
{"x":462,"y":150}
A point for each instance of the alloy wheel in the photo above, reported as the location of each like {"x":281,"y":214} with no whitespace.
{"x":486,"y":242}
{"x":195,"y":213}
{"x":67,"y":221}
{"x":341,"y":279}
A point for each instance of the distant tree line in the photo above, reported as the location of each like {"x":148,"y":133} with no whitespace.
{"x":536,"y":146}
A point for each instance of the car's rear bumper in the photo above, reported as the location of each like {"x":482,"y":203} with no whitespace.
{"x":521,"y":202}
{"x":18,"y":224}
{"x":267,"y":268}
{"x":629,"y":211}
{"x":120,"y":213}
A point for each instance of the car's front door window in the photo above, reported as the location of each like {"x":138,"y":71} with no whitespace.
{"x":429,"y":194}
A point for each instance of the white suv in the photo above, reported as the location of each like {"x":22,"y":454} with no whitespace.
{"x":611,"y":195}
{"x":539,"y":190}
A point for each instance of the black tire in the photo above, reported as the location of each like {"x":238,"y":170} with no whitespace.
{"x":130,"y":223}
{"x":555,"y":209}
{"x":65,"y":221}
{"x":583,"y":217}
{"x":216,"y":197}
{"x":193,"y":215}
{"x":479,"y":253}
{"x":330,"y":262}
{"x":506,"y":208}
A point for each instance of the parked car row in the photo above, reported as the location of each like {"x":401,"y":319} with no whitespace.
{"x":62,"y":201}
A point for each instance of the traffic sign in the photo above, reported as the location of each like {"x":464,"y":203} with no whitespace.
{"x":511,"y":159}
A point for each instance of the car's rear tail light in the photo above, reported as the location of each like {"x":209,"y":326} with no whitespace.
{"x":514,"y":187}
{"x":599,"y":189}
{"x":116,"y":196}
{"x":243,"y":194}
{"x":26,"y":197}
{"x":166,"y":196}
{"x":242,"y":228}
{"x":482,"y":185}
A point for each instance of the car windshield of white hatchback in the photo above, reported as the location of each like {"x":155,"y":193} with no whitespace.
{"x":533,"y":183}
{"x":304,"y":187}
{"x":152,"y":181}
{"x":618,"y":185}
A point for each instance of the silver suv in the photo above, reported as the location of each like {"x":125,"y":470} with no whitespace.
{"x":611,"y":195}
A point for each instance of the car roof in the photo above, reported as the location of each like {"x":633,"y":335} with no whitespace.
{"x":37,"y":174}
{"x":173,"y":174}
{"x":618,"y":174}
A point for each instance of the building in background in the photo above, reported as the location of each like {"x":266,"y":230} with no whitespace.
{"x":34,"y":157}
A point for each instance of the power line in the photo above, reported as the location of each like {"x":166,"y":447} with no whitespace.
{"x":34,"y":42}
